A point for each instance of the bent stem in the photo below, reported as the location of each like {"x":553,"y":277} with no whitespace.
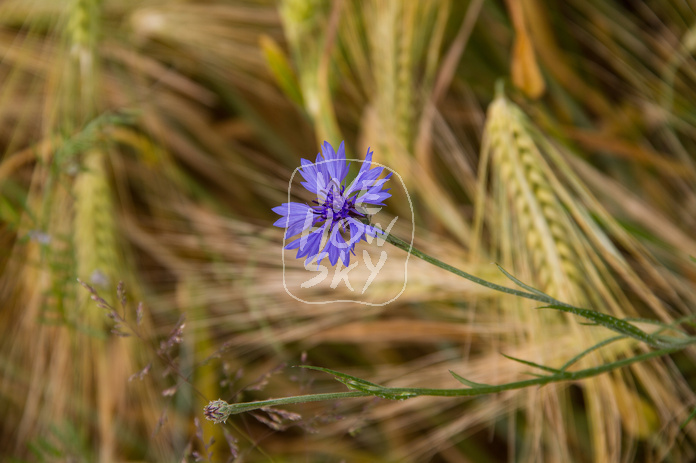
{"x":615,"y":324}
{"x":218,"y":411}
{"x":535,"y":295}
{"x":362,"y":388}
{"x":233,"y":409}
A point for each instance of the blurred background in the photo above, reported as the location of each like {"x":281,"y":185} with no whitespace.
{"x":146,"y":141}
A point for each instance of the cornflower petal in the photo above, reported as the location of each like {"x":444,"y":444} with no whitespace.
{"x":317,"y":178}
{"x":335,"y":162}
{"x":309,"y":245}
{"x":338,"y":248}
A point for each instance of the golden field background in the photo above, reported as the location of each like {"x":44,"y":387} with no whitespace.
{"x":147,"y":141}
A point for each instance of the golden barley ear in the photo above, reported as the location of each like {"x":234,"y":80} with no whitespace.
{"x":540,"y":225}
{"x":518,"y":168}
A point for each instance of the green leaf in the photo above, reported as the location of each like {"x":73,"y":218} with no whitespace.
{"x":524,"y":285}
{"x":358,"y":384}
{"x":688,"y":418}
{"x":590,"y":349}
{"x":466,"y":381}
{"x":610,"y":322}
{"x":353,"y":382}
{"x":532,"y":364}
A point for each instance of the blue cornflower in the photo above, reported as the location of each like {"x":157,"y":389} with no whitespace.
{"x":336,"y":221}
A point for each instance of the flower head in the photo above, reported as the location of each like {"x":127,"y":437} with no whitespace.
{"x":337,"y":219}
{"x":215,"y":411}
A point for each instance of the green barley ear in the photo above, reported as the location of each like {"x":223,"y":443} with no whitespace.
{"x":94,"y":238}
{"x":311,"y":33}
{"x":540,"y":224}
{"x":61,"y":352}
{"x":95,"y":241}
{"x":79,"y":86}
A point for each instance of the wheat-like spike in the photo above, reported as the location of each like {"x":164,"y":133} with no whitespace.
{"x":92,"y":224}
{"x":312,"y":33}
{"x":550,"y":241}
{"x":539,"y":213}
{"x":559,"y":254}
{"x":79,"y":26}
{"x":404,"y":103}
{"x":383,"y":48}
{"x":95,"y":241}
{"x":79,"y":89}
{"x":389,"y":117}
{"x":97,"y":263}
{"x":47,"y":278}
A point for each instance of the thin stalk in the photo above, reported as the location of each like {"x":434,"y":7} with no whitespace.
{"x":218,"y":411}
{"x":402,"y":393}
{"x":401,"y":244}
{"x":233,"y":409}
{"x":608,"y":321}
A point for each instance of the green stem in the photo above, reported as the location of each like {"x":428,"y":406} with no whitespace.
{"x":608,"y":321}
{"x":232,"y":409}
{"x":401,"y":244}
{"x":409,"y":392}
{"x":362,"y":388}
{"x":539,"y":381}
